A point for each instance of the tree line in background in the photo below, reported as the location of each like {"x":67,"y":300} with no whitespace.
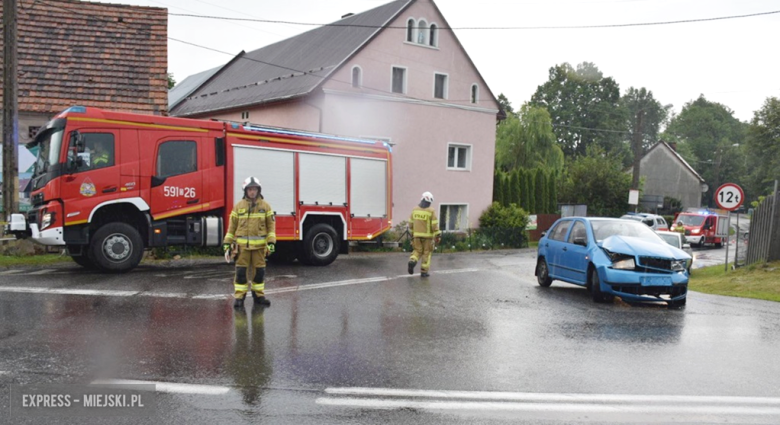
{"x":579,"y":132}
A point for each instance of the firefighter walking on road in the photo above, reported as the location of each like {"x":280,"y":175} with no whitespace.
{"x":679,"y":228}
{"x":253,"y":230}
{"x":424,"y":227}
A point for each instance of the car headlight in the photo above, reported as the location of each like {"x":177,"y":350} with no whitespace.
{"x":624,"y":264}
{"x":47,"y":220}
{"x":695,"y":231}
{"x":679,"y":265}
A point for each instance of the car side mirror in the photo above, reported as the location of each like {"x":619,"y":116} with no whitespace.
{"x":580,"y":240}
{"x":686,"y":246}
{"x":544,"y":233}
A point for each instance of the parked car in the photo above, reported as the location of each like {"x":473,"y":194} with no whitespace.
{"x":677,"y":240}
{"x":655,"y":222}
{"x":613,"y":257}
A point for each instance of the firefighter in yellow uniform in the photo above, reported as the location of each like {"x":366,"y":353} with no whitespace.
{"x":424,"y":227}
{"x":679,"y":228}
{"x":253,"y":229}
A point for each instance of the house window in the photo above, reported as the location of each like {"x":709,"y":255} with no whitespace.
{"x":410,"y":30}
{"x":459,"y":157}
{"x":399,"y":80}
{"x":433,"y":37}
{"x":422,"y":33}
{"x":177,"y":157}
{"x":474,"y":93}
{"x":357,"y":77}
{"x":453,"y":217}
{"x":245,"y":115}
{"x":440,"y":86}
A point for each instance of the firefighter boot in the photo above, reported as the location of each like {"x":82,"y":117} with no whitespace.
{"x":424,"y":274}
{"x":410,"y":269}
{"x":238,"y":303}
{"x":261,"y":300}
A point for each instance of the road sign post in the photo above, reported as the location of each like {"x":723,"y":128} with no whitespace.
{"x":729,"y":196}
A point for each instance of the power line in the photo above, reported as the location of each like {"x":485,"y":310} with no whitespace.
{"x":336,"y":24}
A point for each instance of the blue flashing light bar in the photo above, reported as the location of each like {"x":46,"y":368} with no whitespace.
{"x":305,"y":134}
{"x":76,"y":110}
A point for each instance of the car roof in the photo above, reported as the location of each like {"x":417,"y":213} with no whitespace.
{"x":664,"y":232}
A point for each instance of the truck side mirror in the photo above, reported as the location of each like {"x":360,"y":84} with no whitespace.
{"x":77,"y":141}
{"x":75,"y":161}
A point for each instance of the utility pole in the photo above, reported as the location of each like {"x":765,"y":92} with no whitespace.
{"x":10,"y":112}
{"x":637,"y":145}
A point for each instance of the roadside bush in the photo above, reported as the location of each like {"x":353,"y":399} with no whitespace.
{"x":503,"y":226}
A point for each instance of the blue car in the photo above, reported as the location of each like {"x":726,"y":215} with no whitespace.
{"x":613,"y":257}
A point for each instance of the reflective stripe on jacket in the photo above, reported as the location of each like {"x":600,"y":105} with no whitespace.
{"x":251,"y":227}
{"x":424,"y":223}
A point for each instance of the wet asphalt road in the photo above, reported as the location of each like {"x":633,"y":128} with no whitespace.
{"x":362,"y":342}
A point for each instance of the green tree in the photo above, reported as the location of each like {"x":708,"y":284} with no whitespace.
{"x":505,"y":105}
{"x":552,"y":192}
{"x":527,"y":140}
{"x":507,"y":183}
{"x":708,"y":137}
{"x":597,"y":180}
{"x":645,"y":116}
{"x":515,"y":188}
{"x":530,"y":181}
{"x":585,"y":109}
{"x":763,"y":148}
{"x":171,"y":81}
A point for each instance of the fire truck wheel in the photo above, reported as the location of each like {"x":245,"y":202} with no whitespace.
{"x":117,"y":247}
{"x":320,"y":245}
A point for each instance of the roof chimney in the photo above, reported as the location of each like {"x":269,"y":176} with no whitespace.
{"x":347,"y":15}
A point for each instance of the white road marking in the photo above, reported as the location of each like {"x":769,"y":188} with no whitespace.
{"x":167,"y":387}
{"x":117,"y":293}
{"x":11,"y":271}
{"x":389,"y":398}
{"x":546,"y":407}
{"x":44,"y":271}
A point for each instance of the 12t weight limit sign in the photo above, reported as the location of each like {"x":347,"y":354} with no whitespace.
{"x":729,"y":196}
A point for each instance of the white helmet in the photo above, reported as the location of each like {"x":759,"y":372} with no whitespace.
{"x":251,"y":182}
{"x":427,"y":197}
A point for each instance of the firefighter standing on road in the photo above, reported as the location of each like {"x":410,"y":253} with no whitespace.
{"x":253,"y":229}
{"x":424,"y":229}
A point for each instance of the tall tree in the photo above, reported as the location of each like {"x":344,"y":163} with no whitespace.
{"x":171,"y":81}
{"x":540,"y":182}
{"x":708,"y":136}
{"x":552,"y":192}
{"x":598,"y":181}
{"x":645,"y":116}
{"x":763,"y":148}
{"x":585,"y":109}
{"x":527,"y":140}
{"x":505,"y":105}
{"x":498,"y":195}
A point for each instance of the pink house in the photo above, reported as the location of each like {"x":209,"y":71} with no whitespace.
{"x":395,"y":73}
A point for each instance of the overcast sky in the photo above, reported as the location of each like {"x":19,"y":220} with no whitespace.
{"x":732,"y":61}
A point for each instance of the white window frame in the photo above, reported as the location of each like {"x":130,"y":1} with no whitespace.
{"x":433,"y":34}
{"x":413,"y":28}
{"x":474,"y":93}
{"x":422,"y":32}
{"x":405,"y":82}
{"x":464,"y":218}
{"x":469,"y":154}
{"x":360,"y":77}
{"x":445,"y":89}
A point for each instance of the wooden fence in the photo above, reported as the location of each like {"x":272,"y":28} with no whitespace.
{"x":765,"y":231}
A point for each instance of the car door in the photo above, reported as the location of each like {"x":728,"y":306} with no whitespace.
{"x":177,"y":186}
{"x":574,"y":259}
{"x":556,"y":242}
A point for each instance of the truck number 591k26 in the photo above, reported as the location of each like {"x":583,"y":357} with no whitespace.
{"x":174,"y":191}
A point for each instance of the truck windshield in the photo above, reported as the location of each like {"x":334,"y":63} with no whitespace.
{"x":691,"y":220}
{"x":49,"y":144}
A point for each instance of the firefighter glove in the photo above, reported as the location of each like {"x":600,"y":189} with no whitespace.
{"x":271,"y":248}
{"x":226,"y":247}
{"x":227,"y":252}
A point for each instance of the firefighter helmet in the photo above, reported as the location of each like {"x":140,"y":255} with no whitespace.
{"x":427,"y":197}
{"x":252,"y":182}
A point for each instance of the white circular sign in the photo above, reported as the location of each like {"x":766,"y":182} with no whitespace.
{"x":729,"y":196}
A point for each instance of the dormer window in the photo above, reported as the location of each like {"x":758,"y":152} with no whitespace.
{"x":422,"y":32}
{"x":433,"y":37}
{"x":410,"y":24}
{"x":357,"y":77}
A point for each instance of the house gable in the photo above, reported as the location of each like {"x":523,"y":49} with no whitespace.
{"x":94,"y":54}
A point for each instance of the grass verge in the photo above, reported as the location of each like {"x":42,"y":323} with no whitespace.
{"x":32,"y":260}
{"x":760,"y":281}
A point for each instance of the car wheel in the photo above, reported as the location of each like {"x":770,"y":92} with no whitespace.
{"x":543,"y":273}
{"x":595,"y":289}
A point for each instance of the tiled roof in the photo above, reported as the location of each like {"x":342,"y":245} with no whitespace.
{"x":93,"y":54}
{"x":290,"y":68}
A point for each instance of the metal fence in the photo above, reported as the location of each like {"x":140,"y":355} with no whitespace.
{"x":764,"y":233}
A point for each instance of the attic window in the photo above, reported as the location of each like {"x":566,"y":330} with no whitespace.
{"x":357,"y":77}
{"x":433,"y":38}
{"x":422,"y":34}
{"x":245,"y":115}
{"x":410,"y":30}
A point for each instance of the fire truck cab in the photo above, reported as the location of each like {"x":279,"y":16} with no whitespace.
{"x":704,"y":226}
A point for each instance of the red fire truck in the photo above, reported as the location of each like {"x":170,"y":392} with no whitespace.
{"x":704,"y":226}
{"x":108,"y":185}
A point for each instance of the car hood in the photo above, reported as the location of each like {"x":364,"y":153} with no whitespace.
{"x":637,"y":246}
